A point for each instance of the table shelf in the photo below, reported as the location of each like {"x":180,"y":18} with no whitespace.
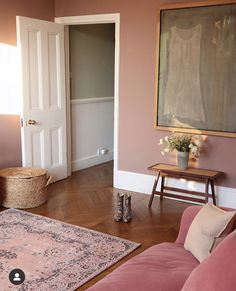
{"x":164,"y":171}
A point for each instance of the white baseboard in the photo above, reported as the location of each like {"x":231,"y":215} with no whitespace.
{"x":91,"y":161}
{"x":141,"y":183}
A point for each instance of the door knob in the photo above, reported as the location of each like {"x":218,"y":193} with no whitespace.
{"x":31,"y":122}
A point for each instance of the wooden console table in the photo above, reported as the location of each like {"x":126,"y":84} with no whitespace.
{"x":208,"y":177}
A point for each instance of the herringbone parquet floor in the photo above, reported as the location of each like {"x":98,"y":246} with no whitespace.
{"x":87,"y":199}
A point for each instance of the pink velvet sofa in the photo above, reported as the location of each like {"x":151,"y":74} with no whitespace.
{"x":169,"y":267}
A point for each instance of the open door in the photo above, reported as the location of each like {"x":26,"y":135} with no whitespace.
{"x":41,"y":45}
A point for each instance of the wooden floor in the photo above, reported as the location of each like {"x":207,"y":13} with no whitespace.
{"x":87,"y":199}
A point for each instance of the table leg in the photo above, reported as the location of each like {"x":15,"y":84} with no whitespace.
{"x":154,"y":189}
{"x":213,"y":192}
{"x":206,"y":190}
{"x":162,"y":186}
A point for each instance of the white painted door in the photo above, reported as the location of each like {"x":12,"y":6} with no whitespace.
{"x":41,"y":45}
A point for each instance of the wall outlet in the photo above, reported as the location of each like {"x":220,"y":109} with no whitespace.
{"x":102,"y":151}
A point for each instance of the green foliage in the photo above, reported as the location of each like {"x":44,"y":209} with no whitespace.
{"x":182,"y":143}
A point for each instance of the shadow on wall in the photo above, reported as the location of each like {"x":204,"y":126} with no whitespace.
{"x":10,"y":141}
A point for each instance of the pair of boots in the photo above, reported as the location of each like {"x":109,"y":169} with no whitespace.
{"x":123,"y":208}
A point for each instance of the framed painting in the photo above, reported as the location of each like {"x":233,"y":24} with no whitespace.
{"x":196,"y":72}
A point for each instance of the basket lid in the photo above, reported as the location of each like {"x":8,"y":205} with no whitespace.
{"x":22,"y":172}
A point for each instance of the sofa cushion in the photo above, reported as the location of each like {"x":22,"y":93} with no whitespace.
{"x":208,"y":224}
{"x":217,"y":272}
{"x":164,"y":267}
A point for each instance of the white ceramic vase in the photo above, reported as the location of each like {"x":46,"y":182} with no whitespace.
{"x":182,"y":160}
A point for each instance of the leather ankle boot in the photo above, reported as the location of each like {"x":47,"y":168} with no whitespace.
{"x":127,"y":215}
{"x":119,"y":207}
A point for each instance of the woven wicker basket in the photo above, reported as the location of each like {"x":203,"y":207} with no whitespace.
{"x":23,"y":187}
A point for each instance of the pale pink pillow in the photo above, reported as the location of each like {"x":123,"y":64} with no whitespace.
{"x":208,"y":224}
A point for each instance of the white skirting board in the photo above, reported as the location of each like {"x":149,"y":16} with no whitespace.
{"x":91,"y":161}
{"x":142,"y":183}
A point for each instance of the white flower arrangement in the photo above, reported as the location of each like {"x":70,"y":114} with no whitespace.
{"x":182,"y":143}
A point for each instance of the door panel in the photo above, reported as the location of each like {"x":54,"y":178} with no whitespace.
{"x":54,"y":96}
{"x":36,"y":143}
{"x":56,"y":154}
{"x":41,"y":46}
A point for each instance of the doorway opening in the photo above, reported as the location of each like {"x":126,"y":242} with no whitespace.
{"x":91,"y":65}
{"x":89,"y":20}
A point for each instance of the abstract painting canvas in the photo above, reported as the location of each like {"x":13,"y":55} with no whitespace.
{"x":196,"y":68}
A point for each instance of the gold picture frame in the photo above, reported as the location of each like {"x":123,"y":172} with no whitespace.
{"x":196,"y":67}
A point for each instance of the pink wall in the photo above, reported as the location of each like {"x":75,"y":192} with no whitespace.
{"x":10,"y":150}
{"x":43,"y":9}
{"x":138,"y":140}
{"x":10,"y":143}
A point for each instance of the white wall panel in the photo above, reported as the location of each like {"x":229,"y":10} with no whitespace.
{"x":92,"y":128}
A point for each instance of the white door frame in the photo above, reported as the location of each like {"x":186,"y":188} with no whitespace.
{"x":96,"y":19}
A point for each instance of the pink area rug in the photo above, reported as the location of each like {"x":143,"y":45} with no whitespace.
{"x":54,"y":255}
